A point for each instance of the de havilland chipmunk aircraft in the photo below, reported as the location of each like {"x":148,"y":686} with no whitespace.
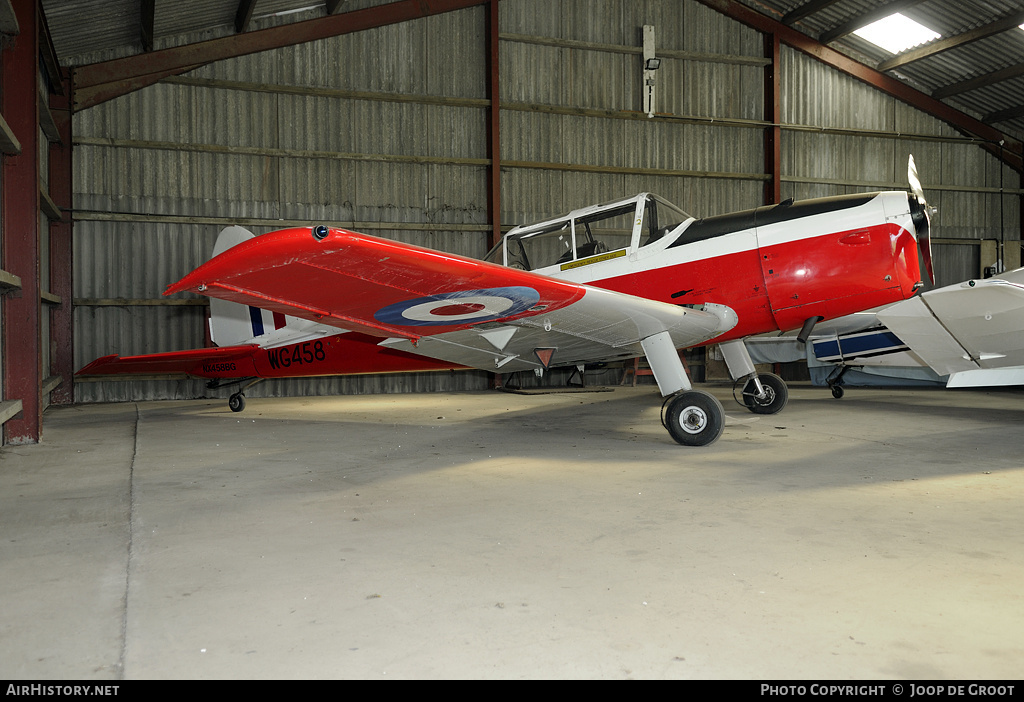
{"x":636,"y":277}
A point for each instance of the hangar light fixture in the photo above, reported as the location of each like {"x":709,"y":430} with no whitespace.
{"x":651,"y":64}
{"x":896,"y":33}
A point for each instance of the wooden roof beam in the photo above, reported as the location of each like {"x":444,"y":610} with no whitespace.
{"x":98,"y":82}
{"x":1003,"y":115}
{"x":977,"y":82}
{"x":806,"y":10}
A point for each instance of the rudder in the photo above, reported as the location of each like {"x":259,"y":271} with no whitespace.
{"x":235,"y":324}
{"x":232,"y":323}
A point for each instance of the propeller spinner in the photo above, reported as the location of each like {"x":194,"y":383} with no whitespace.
{"x":920,"y":213}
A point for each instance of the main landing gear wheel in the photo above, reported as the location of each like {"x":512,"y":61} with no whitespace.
{"x":837,"y":392}
{"x":236,"y":402}
{"x":693,"y":418}
{"x":776,"y":394}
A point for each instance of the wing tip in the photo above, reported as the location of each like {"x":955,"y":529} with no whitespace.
{"x":91,"y":368}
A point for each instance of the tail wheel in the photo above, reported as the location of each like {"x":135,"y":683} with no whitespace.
{"x":694,"y":418}
{"x":775,"y":397}
{"x":236,"y":402}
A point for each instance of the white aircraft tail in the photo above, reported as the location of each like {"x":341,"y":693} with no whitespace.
{"x":233,"y":324}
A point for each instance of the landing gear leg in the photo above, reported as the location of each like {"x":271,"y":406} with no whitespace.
{"x":764,"y":393}
{"x":692,"y":417}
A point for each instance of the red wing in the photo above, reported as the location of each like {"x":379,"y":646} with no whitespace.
{"x":373,"y":285}
{"x":226,"y":362}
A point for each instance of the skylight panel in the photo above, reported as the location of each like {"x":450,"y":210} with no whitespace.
{"x":896,"y":33}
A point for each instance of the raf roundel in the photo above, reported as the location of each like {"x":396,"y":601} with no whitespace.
{"x":464,"y":306}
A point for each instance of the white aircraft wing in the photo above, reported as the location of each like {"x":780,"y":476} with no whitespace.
{"x":973,"y":326}
{"x":600,"y":326}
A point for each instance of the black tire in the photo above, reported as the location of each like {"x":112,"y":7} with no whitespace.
{"x":837,"y":392}
{"x":236,"y":402}
{"x":776,"y":394}
{"x":694,"y":418}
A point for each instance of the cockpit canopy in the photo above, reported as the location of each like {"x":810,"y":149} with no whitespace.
{"x":623,"y":225}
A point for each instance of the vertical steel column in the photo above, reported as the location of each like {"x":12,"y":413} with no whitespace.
{"x":493,"y":125}
{"x":60,"y":189}
{"x":1015,"y":260}
{"x":493,"y":137}
{"x":772,"y":115}
{"x":21,"y":347}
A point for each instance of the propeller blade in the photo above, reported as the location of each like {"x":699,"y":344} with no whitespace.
{"x":921,"y":213}
{"x":915,"y":182}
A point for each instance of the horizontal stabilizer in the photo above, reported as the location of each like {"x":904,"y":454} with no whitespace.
{"x":226,"y":362}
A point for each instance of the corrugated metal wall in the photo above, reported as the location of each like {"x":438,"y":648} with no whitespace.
{"x":372,"y":131}
{"x":384,"y":131}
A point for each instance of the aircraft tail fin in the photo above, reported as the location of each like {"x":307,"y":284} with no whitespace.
{"x":235,"y":324}
{"x":232,"y":323}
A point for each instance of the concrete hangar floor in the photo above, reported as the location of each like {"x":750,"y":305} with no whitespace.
{"x":494,"y":535}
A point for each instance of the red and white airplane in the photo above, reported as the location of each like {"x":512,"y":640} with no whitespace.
{"x":614,"y":281}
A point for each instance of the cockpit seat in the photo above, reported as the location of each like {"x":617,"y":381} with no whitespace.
{"x":591,"y":248}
